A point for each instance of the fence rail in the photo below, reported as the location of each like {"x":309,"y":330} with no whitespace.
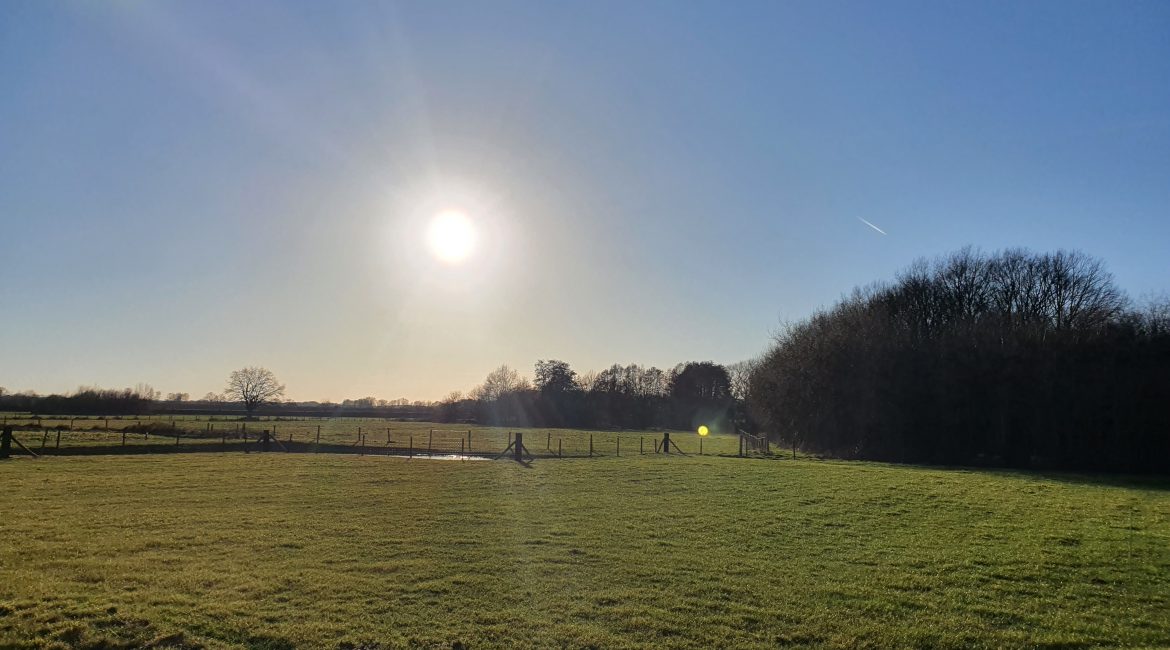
{"x":161,"y":436}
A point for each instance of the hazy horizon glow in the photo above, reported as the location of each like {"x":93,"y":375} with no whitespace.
{"x":188,"y":188}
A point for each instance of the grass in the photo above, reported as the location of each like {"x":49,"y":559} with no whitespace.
{"x":47,"y":434}
{"x":301,"y":550}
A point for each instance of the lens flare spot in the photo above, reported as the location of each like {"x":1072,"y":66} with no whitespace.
{"x":703,"y":430}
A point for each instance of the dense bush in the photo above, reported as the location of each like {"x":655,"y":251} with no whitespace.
{"x":1015,"y":359}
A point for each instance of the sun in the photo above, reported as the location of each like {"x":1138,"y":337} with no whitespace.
{"x":451,"y":236}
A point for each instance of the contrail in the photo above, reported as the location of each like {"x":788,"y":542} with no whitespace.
{"x":871,"y":225}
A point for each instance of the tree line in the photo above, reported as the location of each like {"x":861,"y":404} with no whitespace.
{"x":87,"y":400}
{"x":628,"y":397}
{"x":1015,"y":358}
{"x":250,"y":388}
{"x":621,"y":397}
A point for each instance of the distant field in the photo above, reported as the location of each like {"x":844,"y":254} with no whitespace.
{"x":381,"y":436}
{"x":331,"y":551}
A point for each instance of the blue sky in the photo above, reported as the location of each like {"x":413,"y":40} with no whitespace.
{"x":190,"y":187}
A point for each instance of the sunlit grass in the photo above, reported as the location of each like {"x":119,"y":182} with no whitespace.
{"x":377,"y":435}
{"x":287,"y":550}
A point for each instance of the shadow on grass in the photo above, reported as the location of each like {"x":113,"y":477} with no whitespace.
{"x":1076,"y":477}
{"x":1104,"y":479}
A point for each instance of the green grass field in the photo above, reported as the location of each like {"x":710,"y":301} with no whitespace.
{"x":330,"y":551}
{"x":49,"y":434}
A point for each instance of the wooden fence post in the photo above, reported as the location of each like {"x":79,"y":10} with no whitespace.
{"x":548,"y":444}
{"x":700,"y":446}
{"x":318,"y":434}
{"x":519,"y":453}
{"x":666,"y":441}
{"x":619,"y":447}
{"x":411,"y":447}
{"x":641,"y":447}
{"x":123,"y":437}
{"x":559,"y":452}
{"x":44,"y":438}
{"x":591,"y":445}
{"x":58,"y":444}
{"x":6,"y":440}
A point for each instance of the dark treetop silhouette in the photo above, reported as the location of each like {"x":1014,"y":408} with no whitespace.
{"x":254,"y":387}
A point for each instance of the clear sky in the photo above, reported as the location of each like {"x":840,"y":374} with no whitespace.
{"x":191,"y":187}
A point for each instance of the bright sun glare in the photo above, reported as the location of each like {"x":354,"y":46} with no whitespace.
{"x":451,"y":236}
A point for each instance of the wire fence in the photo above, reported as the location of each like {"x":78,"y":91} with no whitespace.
{"x":77,"y":436}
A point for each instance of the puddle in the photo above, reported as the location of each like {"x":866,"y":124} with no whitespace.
{"x":434,"y":457}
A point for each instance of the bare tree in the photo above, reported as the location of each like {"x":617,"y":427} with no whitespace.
{"x":1081,"y":293}
{"x":146,"y":392}
{"x":741,"y":376}
{"x":655,"y":382}
{"x":254,"y":387}
{"x":1156,"y":314}
{"x":499,"y":382}
{"x":178,"y":397}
